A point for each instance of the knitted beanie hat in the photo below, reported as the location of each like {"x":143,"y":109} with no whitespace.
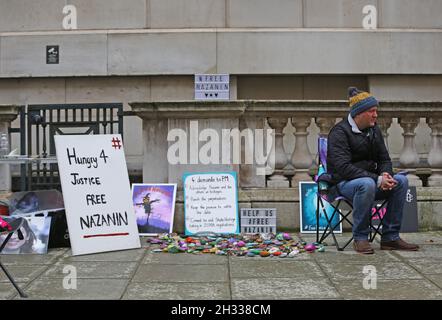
{"x":360,"y":101}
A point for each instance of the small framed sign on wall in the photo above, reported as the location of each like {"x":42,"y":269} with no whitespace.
{"x":52,"y":54}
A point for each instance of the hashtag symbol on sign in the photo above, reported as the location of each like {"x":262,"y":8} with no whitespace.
{"x":116,"y":143}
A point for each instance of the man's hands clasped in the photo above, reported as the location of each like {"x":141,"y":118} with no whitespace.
{"x":388,"y":182}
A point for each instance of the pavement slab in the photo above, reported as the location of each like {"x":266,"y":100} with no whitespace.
{"x":433,"y":251}
{"x":87,"y":289}
{"x":436,"y":279}
{"x":7,"y":291}
{"x":181,"y":273}
{"x":283,"y":289}
{"x":177,"y":291}
{"x":274,"y":269}
{"x":21,"y":259}
{"x":184,"y":258}
{"x":389,"y":270}
{"x":122,"y":256}
{"x":91,"y":270}
{"x":25,"y":273}
{"x":390,"y":289}
{"x":423,"y":238}
{"x":351,"y":256}
{"x":427,"y":265}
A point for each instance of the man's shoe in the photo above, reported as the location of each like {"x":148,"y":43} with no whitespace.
{"x":398,"y":245}
{"x":363,"y":246}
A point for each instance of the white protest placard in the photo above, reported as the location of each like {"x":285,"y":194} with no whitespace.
{"x":212,"y":87}
{"x":254,"y":220}
{"x":97,"y":193}
{"x":211,"y":203}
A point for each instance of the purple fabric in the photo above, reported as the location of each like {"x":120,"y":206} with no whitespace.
{"x":322,"y":148}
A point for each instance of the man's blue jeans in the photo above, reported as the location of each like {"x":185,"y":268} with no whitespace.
{"x":362,"y":193}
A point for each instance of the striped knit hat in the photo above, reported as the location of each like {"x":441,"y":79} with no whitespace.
{"x":360,"y":101}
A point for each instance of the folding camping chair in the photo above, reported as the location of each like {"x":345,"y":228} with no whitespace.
{"x":15,"y":224}
{"x":342,"y":206}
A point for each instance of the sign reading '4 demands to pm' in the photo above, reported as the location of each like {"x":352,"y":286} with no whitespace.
{"x":96,"y":193}
{"x":211,"y":203}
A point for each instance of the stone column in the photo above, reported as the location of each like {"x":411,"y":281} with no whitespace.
{"x":384,"y":124}
{"x":409,"y":158}
{"x":155,"y":163}
{"x":435,"y":155}
{"x":325,"y":125}
{"x":251,"y":175}
{"x":7,"y":115}
{"x":301,"y":157}
{"x":277,"y":179}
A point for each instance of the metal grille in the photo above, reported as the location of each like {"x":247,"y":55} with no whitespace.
{"x":46,"y":121}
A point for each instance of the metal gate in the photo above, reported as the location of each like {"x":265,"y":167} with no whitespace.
{"x":46,"y":121}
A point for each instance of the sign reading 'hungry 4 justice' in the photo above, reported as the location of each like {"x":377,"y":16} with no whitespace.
{"x":96,"y":192}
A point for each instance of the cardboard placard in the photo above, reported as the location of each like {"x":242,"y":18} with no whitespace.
{"x":211,"y":203}
{"x":97,"y":193}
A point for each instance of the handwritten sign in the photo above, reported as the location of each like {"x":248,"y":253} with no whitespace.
{"x":211,"y":203}
{"x":96,"y":193}
{"x":258,"y":220}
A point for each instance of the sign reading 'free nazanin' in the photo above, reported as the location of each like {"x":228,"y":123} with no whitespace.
{"x":96,"y":192}
{"x":212,"y":87}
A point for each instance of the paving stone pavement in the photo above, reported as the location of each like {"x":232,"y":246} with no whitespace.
{"x":140,"y":274}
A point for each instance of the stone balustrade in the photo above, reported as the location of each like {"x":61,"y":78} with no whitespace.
{"x":159,"y":118}
{"x":8,"y":113}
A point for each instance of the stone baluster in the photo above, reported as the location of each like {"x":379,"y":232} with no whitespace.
{"x":409,"y":158}
{"x":435,"y":155}
{"x":384,"y":124}
{"x":277,"y":179}
{"x":253,"y":175}
{"x":7,"y":115}
{"x":325,"y":125}
{"x":301,"y":157}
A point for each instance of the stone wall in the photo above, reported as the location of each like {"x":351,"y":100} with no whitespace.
{"x":43,"y":15}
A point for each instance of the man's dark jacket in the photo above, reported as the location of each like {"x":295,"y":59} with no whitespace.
{"x":353,"y":155}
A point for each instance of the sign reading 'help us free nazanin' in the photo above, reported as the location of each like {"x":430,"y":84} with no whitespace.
{"x":96,"y":193}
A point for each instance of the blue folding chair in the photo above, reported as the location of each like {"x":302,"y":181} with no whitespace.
{"x":342,"y":206}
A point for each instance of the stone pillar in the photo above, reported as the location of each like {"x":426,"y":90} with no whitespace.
{"x":325,"y":125}
{"x":155,"y":164}
{"x":250,"y":175}
{"x":435,"y":155}
{"x":301,"y":158}
{"x":277,"y":179}
{"x":384,"y":124}
{"x":409,"y":158}
{"x":7,"y":115}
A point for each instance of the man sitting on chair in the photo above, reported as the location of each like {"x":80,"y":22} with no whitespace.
{"x":362,"y":170}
